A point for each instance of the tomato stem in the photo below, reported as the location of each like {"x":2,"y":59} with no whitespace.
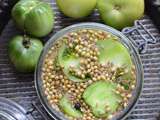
{"x":26,"y":41}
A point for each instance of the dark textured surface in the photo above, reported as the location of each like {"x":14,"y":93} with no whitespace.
{"x":20,"y":87}
{"x":153,"y":9}
{"x":5,"y":11}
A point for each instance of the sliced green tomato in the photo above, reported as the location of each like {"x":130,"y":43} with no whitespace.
{"x":68,"y":108}
{"x":101,"y":95}
{"x":113,"y":51}
{"x":66,"y":58}
{"x":72,"y":77}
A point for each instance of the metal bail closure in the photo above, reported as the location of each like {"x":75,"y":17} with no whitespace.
{"x":132,"y":32}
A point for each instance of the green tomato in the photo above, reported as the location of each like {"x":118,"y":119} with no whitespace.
{"x":76,"y":8}
{"x":100,"y":95}
{"x":33,"y":16}
{"x":120,"y":13}
{"x":113,"y":51}
{"x":66,"y":105}
{"x":24,"y":52}
{"x":67,"y":58}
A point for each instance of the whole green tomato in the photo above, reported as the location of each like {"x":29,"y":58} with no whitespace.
{"x":24,"y":52}
{"x":34,"y":17}
{"x":120,"y":13}
{"x":76,"y":8}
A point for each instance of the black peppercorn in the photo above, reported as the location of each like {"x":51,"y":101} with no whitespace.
{"x":77,"y":106}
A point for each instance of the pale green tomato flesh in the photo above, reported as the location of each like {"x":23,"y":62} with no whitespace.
{"x":101,"y":95}
{"x":113,"y":51}
{"x":67,"y":60}
{"x":68,"y":108}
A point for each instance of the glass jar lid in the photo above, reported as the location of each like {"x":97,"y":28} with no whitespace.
{"x":10,"y":110}
{"x":6,"y":116}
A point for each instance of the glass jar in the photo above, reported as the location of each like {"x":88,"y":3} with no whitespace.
{"x":129,"y":44}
